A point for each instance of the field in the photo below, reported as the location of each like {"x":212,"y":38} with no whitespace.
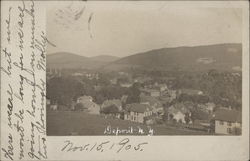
{"x":65,"y":123}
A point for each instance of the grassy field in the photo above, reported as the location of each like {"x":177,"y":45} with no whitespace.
{"x":64,"y":123}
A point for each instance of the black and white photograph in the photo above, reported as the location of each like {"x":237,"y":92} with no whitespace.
{"x":142,"y":69}
{"x":124,"y":80}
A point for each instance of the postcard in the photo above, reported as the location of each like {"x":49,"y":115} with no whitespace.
{"x":124,"y":80}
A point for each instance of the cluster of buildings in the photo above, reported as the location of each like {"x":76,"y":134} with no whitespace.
{"x":53,"y":72}
{"x":88,"y":75}
{"x":116,"y":108}
{"x":58,"y":72}
{"x":156,"y":102}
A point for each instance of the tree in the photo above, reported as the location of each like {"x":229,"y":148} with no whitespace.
{"x":187,"y":118}
{"x":112,"y":109}
{"x":63,"y":90}
{"x":80,"y":106}
{"x":133,"y":94}
{"x":197,"y":114}
{"x":99,"y":98}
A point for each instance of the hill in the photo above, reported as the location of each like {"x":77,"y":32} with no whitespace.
{"x":70,"y":60}
{"x":197,"y":58}
{"x":104,"y":58}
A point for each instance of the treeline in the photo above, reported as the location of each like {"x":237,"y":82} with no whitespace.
{"x":64,"y":90}
{"x":222,"y":88}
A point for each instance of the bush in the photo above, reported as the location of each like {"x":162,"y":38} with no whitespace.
{"x":80,"y":107}
{"x":110,"y":109}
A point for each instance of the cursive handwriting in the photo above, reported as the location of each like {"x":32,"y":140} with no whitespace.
{"x":9,"y":153}
{"x":123,"y":145}
{"x":24,"y":92}
{"x":7,"y":55}
{"x":44,"y":147}
{"x":10,"y":105}
{"x":8,"y":26}
{"x":31,"y":13}
{"x":20,"y":130}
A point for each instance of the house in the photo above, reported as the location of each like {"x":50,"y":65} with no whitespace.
{"x":227,"y":121}
{"x":142,"y":79}
{"x":178,"y":112}
{"x":153,"y":103}
{"x":53,"y":107}
{"x":123,"y":74}
{"x":168,"y":95}
{"x":84,"y":98}
{"x":113,"y":81}
{"x":200,"y":125}
{"x":114,"y":103}
{"x":77,"y":74}
{"x":112,"y":112}
{"x":151,"y":92}
{"x":208,"y":107}
{"x":48,"y":102}
{"x":172,"y":94}
{"x":91,"y":76}
{"x":126,"y":84}
{"x":53,"y":72}
{"x":155,"y":93}
{"x":161,"y":87}
{"x":88,"y":105}
{"x":190,"y":92}
{"x":204,"y":124}
{"x":236,"y":74}
{"x":137,"y":112}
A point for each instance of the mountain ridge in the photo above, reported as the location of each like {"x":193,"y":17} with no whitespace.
{"x":218,"y":56}
{"x":226,"y":56}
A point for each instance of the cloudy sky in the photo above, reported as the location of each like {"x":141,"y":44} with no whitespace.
{"x":125,"y":28}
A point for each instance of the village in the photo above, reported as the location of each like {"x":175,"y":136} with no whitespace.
{"x":141,"y":99}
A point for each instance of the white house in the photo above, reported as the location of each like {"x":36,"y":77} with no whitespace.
{"x":84,"y":98}
{"x":48,"y":102}
{"x":126,"y":85}
{"x":151,"y":92}
{"x":190,"y":92}
{"x":227,"y":121}
{"x":161,"y":87}
{"x":87,"y":102}
{"x":152,"y":102}
{"x":177,"y":112}
{"x":137,"y":112}
{"x":53,"y":107}
{"x":208,"y":107}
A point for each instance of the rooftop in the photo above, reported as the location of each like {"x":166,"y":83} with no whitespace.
{"x":228,"y":115}
{"x":191,"y":91}
{"x":178,"y":107}
{"x":151,"y":100}
{"x":85,"y":98}
{"x":136,"y":107}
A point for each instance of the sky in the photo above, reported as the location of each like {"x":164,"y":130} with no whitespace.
{"x":126,"y":28}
